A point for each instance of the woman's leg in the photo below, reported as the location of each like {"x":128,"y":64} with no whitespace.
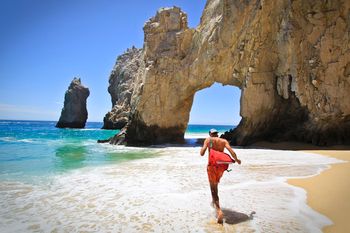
{"x":215,"y":197}
{"x":214,"y":194}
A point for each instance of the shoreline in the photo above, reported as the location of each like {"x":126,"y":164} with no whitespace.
{"x":174,"y":189}
{"x":327,"y":192}
{"x":171,"y":188}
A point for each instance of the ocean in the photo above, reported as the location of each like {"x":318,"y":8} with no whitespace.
{"x":37,"y":148}
{"x":62,"y":180}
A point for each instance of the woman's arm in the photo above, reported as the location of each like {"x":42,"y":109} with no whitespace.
{"x":228,"y":147}
{"x":205,"y":146}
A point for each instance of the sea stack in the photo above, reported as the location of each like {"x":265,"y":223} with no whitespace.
{"x":74,"y":113}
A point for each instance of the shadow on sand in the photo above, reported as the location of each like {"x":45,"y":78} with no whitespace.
{"x":234,"y":217}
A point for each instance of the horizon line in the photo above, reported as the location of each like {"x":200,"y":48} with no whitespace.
{"x":218,"y":124}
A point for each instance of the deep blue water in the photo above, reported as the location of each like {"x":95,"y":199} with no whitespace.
{"x":37,"y":148}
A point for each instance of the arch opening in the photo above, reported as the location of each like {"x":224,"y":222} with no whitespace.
{"x":217,"y":106}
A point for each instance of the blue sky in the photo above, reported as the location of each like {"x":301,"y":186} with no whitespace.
{"x":44,"y":44}
{"x":217,"y":105}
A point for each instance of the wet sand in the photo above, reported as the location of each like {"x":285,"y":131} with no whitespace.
{"x":329,"y":192}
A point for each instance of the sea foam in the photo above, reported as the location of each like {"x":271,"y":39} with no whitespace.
{"x":168,"y":193}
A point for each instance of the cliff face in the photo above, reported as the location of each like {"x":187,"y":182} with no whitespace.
{"x":74,"y":113}
{"x":121,"y":87}
{"x":160,"y":106}
{"x":291,"y":61}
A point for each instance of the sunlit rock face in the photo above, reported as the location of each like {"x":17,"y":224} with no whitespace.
{"x":291,"y":60}
{"x":74,"y":113}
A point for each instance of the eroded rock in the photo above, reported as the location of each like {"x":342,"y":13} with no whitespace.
{"x":289,"y":58}
{"x":121,"y":87}
{"x":74,"y":113}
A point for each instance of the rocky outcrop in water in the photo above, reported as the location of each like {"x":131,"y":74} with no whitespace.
{"x":121,"y":87}
{"x":291,"y":60}
{"x":74,"y":113}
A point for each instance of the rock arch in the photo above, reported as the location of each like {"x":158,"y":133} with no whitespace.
{"x":290,"y":59}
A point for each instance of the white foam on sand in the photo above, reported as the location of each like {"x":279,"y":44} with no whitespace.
{"x":169,"y":193}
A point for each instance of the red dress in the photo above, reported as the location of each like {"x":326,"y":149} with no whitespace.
{"x":215,"y":172}
{"x":217,"y":164}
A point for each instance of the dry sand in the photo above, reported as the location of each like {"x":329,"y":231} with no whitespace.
{"x":329,"y":192}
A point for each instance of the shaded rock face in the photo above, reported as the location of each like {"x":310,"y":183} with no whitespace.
{"x":291,"y":60}
{"x":121,"y":87}
{"x":74,"y":113}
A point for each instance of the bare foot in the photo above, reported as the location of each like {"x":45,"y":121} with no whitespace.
{"x":220,"y":217}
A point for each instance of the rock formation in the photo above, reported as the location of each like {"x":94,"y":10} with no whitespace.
{"x":121,"y":87}
{"x":74,"y":113}
{"x":291,"y":60}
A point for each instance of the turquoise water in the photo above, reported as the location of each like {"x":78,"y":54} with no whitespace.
{"x":63,"y":180}
{"x":37,"y":148}
{"x":204,"y":129}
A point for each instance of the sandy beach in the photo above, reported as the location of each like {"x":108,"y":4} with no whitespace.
{"x":169,"y":192}
{"x":165,"y":189}
{"x":328,"y":192}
